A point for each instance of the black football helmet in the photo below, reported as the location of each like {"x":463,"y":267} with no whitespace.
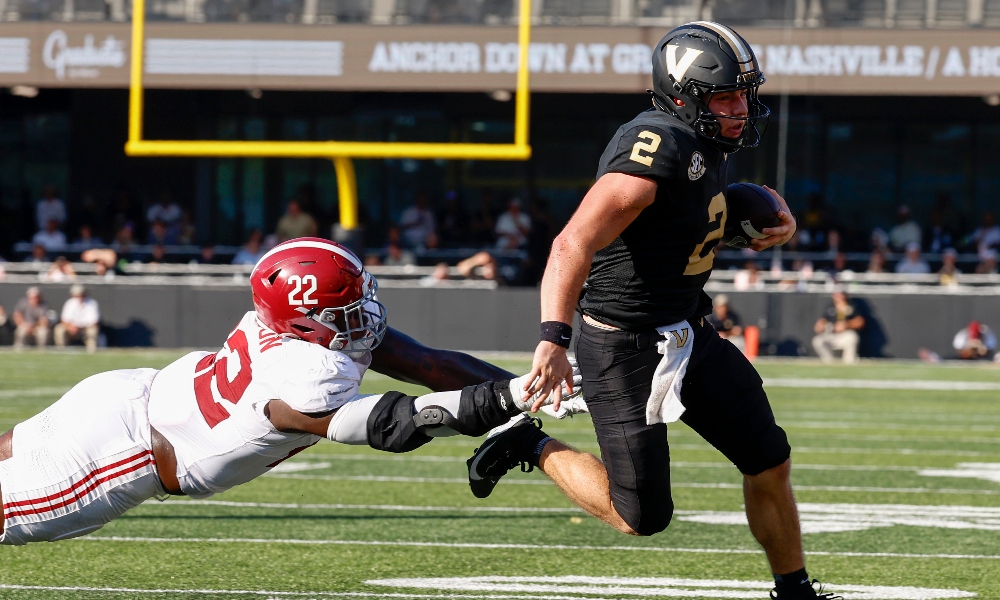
{"x":697,"y":59}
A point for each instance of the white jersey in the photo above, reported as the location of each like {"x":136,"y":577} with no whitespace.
{"x":210,"y":407}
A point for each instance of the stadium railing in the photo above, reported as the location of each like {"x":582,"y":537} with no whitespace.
{"x":216,"y":275}
{"x":722,"y":280}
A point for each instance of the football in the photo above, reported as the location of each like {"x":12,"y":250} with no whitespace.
{"x":750,"y":208}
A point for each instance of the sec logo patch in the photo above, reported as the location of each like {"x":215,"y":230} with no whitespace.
{"x":697,"y":168}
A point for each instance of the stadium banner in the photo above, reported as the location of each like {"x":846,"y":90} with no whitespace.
{"x":476,"y":58}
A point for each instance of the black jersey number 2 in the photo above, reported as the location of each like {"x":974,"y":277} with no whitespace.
{"x":702,"y":258}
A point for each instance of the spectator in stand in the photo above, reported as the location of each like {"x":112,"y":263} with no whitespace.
{"x":948,"y":272}
{"x":395,"y":254}
{"x":832,"y":242}
{"x":80,"y":320}
{"x":158,"y":255}
{"x":87,"y":239}
{"x":61,"y":271}
{"x":876,"y":262}
{"x":124,"y":239}
{"x":160,"y":235}
{"x":726,"y":322}
{"x":50,"y":208}
{"x":125,"y":212}
{"x":50,"y":238}
{"x":748,"y":278}
{"x":31,"y":318}
{"x":481,"y":265}
{"x":838,"y":329}
{"x":838,"y":269}
{"x":416,"y":223}
{"x":207,"y":256}
{"x":252,"y":250}
{"x":912,"y":263}
{"x":945,"y":224}
{"x":484,"y":220}
{"x":987,"y":236}
{"x":975,"y":341}
{"x":295,"y":223}
{"x":513,"y":227}
{"x":988,"y":263}
{"x":906,"y":231}
{"x":38,"y":254}
{"x":452,"y":222}
{"x":168,"y":213}
{"x":187,"y":232}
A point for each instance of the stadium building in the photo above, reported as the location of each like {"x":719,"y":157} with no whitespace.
{"x":888,"y":102}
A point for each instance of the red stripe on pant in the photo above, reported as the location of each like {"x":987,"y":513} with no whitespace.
{"x":8,"y":513}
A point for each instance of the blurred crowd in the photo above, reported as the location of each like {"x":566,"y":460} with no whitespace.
{"x":504,"y":241}
{"x":501,"y":238}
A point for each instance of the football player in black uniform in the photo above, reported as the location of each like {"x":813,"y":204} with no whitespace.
{"x":643,"y":240}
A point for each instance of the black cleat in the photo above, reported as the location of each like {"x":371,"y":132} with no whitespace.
{"x":505,"y":447}
{"x":813,"y":591}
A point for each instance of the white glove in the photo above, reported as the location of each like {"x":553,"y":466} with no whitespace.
{"x":525,"y":402}
{"x":568,"y":408}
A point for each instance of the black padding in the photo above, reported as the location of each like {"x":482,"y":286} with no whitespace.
{"x":391,"y":427}
{"x":485,"y":406}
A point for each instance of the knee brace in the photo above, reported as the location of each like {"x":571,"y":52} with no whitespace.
{"x":392,"y":427}
{"x":483,"y":407}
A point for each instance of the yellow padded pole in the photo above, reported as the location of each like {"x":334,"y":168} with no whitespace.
{"x":347,"y":191}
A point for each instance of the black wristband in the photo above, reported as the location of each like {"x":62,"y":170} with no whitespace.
{"x":557,"y":333}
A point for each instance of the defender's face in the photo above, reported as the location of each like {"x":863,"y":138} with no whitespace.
{"x":733,"y":103}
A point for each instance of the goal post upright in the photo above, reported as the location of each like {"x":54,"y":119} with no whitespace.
{"x":341,"y":152}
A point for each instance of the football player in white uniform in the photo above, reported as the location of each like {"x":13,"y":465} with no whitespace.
{"x":287,"y":376}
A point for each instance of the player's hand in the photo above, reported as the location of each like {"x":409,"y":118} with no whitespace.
{"x":780,"y":234}
{"x":549,"y":369}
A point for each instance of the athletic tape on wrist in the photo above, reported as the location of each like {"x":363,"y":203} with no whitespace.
{"x":556,"y":332}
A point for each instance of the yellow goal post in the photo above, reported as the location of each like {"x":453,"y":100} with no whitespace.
{"x":341,"y":152}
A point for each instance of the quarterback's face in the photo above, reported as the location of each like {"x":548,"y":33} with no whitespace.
{"x":733,"y":104}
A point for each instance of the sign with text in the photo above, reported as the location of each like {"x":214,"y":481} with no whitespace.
{"x":478,"y":58}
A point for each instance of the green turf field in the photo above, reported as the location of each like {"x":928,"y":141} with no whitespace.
{"x":897,"y":475}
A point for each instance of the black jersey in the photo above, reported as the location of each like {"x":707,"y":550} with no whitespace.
{"x":654,"y":273}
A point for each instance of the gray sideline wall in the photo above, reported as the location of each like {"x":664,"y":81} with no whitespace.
{"x":506,"y":319}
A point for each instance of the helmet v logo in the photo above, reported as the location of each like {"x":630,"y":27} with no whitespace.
{"x":678,"y":69}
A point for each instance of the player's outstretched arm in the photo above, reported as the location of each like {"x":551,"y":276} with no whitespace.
{"x":401,"y":357}
{"x":607,"y":209}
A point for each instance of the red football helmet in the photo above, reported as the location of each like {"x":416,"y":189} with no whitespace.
{"x":317,"y":290}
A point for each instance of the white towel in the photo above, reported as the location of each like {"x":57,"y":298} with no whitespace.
{"x":664,"y":405}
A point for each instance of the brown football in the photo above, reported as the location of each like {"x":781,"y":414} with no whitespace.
{"x":750,"y":208}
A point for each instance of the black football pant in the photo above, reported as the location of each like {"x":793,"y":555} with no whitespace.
{"x":724,"y":400}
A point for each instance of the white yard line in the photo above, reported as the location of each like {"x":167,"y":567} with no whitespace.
{"x":805,"y":488}
{"x":387,"y":507}
{"x":484,"y":546}
{"x":883,"y":384}
{"x":679,"y":464}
